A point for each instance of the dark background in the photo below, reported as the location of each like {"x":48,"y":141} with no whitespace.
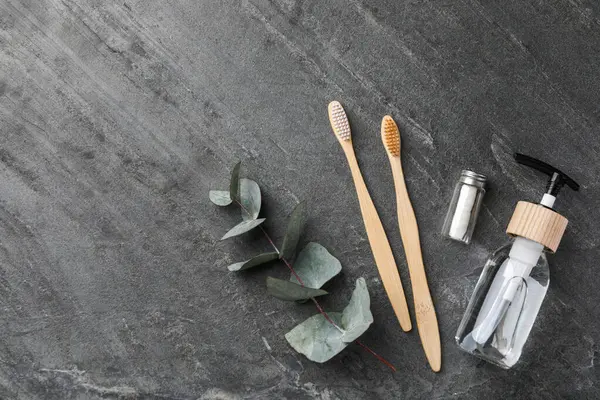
{"x":117,"y":117}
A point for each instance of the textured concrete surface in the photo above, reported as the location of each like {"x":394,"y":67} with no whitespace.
{"x":117,"y":117}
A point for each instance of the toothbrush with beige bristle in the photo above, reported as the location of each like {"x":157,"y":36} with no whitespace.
{"x":409,"y":230}
{"x":380,"y":246}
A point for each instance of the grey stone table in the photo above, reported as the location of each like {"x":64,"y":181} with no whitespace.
{"x":117,"y":117}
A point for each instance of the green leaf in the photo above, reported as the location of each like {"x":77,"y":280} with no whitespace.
{"x":357,"y":316}
{"x":315,"y":266}
{"x":243,"y":227}
{"x":254,"y":261}
{"x":289,"y":291}
{"x":234,"y":184}
{"x":294,"y":228}
{"x":220,"y":197}
{"x":250,"y":199}
{"x":317,"y":338}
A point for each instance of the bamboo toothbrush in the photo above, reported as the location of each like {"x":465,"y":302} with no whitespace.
{"x":409,"y":230}
{"x":377,"y":238}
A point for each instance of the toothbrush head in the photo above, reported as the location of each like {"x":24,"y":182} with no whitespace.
{"x":339,"y":121}
{"x":390,"y":135}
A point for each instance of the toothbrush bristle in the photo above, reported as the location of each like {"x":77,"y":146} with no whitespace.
{"x":339,"y":120}
{"x":390,"y":135}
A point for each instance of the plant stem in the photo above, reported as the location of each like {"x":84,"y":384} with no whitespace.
{"x":319,"y":307}
{"x":282,"y":258}
{"x":383,"y":360}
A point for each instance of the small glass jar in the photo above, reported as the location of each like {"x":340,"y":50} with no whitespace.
{"x":464,"y":207}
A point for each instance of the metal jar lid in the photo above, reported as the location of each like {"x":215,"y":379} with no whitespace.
{"x":472,"y":178}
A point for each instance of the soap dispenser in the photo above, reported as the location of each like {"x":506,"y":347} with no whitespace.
{"x":515,"y":278}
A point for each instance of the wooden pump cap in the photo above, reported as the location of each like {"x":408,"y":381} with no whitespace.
{"x":538,"y":223}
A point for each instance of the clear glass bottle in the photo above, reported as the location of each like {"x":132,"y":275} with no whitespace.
{"x":464,"y":207}
{"x":515,"y":278}
{"x":504,"y":344}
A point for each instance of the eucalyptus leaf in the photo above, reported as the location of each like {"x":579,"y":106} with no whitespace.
{"x":315,"y":266}
{"x":357,"y":316}
{"x":293,"y":231}
{"x":289,"y":291}
{"x":243,"y":227}
{"x":317,"y":338}
{"x":254,"y":261}
{"x":220,"y":197}
{"x":234,"y":184}
{"x":249,"y":199}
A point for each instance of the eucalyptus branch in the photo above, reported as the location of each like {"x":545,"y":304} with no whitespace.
{"x":323,"y":335}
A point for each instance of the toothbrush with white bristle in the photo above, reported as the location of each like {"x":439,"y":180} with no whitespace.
{"x":380,"y":246}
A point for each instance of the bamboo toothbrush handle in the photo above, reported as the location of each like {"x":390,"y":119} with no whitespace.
{"x":424,"y":309}
{"x":382,"y":252}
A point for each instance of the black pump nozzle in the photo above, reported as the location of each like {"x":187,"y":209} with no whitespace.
{"x":557,"y":178}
